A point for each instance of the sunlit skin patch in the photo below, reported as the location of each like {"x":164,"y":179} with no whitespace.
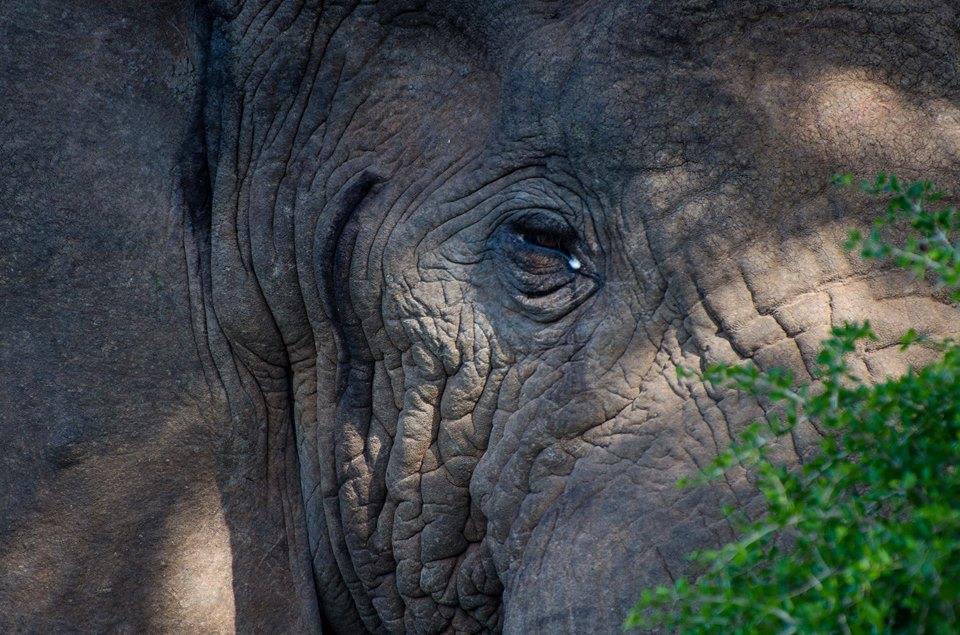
{"x":845,"y":114}
{"x":844,"y":103}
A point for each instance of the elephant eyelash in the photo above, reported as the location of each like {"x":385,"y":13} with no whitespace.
{"x":541,"y":239}
{"x":545,"y":232}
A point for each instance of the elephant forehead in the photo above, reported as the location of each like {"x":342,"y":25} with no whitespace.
{"x":592,"y":92}
{"x":652,"y":84}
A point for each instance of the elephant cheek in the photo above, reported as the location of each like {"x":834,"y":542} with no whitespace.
{"x":605,"y":539}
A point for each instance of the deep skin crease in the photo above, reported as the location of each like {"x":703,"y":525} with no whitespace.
{"x":443,"y":258}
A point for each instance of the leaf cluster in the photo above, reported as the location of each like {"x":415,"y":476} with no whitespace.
{"x":865,"y":536}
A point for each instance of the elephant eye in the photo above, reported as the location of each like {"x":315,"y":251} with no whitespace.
{"x":557,"y":242}
{"x":544,"y":271}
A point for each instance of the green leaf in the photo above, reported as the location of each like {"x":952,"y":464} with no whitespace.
{"x":908,"y":339}
{"x":844,"y":179}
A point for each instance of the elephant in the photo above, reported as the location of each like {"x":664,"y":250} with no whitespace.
{"x":365,"y":315}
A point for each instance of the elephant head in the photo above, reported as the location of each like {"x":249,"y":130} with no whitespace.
{"x":463,"y":246}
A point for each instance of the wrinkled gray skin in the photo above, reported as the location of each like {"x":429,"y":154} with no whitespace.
{"x":290,"y":335}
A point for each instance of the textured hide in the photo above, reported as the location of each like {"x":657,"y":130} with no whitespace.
{"x":363,"y":316}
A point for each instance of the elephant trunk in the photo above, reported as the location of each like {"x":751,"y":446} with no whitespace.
{"x":602,"y":542}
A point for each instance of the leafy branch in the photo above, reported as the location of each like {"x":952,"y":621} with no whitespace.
{"x":865,"y":537}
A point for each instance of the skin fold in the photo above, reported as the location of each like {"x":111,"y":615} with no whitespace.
{"x":428,"y":270}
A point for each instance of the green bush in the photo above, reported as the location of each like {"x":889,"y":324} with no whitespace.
{"x":865,"y":537}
